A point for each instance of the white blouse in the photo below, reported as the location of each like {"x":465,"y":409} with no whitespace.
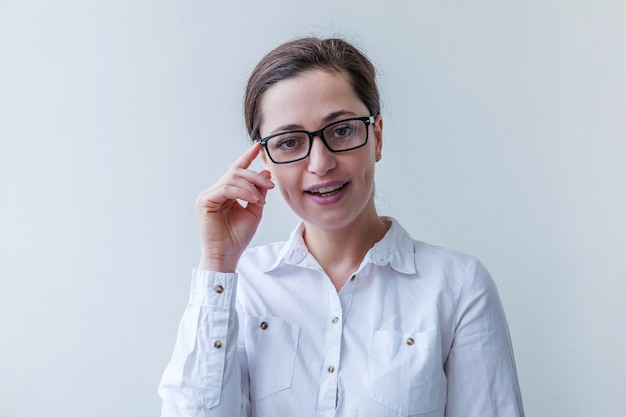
{"x":417,"y":330}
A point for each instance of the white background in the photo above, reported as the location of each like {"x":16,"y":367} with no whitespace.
{"x":505,"y":137}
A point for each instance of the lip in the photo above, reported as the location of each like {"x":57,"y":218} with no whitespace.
{"x":329,"y":184}
{"x":328,"y":198}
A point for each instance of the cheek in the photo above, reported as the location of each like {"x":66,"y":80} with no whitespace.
{"x":370,"y":175}
{"x":284,"y":190}
{"x":286,"y":182}
{"x":368,"y":163}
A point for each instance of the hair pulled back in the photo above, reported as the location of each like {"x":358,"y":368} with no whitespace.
{"x":293,"y":58}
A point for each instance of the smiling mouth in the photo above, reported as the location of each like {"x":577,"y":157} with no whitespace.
{"x":327,"y":191}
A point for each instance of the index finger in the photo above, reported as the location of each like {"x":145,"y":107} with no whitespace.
{"x":250,"y":155}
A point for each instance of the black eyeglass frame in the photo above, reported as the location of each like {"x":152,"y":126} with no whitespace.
{"x":368,"y":120}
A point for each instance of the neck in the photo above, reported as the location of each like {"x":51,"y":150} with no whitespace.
{"x":341,"y":251}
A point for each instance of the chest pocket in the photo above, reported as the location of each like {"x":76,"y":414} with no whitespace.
{"x":405,"y":371}
{"x":271,"y":346}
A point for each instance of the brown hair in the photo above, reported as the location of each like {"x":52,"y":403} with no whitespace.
{"x":298,"y":56}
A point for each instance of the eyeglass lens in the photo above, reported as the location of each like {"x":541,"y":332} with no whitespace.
{"x":340,"y":136}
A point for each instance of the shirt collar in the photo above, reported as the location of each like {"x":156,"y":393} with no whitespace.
{"x":396,"y":248}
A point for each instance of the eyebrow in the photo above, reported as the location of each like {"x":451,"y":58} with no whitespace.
{"x":327,"y":119}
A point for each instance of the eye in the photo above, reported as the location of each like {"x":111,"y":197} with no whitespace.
{"x":342,"y":131}
{"x":287,"y":143}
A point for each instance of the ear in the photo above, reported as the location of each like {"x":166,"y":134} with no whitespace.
{"x":264,"y":159}
{"x":378,"y":134}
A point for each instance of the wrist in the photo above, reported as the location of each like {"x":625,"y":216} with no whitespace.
{"x":218,"y":263}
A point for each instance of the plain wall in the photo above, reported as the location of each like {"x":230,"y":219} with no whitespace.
{"x":505,"y":137}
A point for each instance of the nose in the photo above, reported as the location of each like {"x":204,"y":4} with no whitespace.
{"x":321,"y":159}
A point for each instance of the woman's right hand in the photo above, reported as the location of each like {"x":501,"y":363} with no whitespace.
{"x":226,"y":226}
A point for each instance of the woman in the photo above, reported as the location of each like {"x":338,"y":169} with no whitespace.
{"x":350,"y":316}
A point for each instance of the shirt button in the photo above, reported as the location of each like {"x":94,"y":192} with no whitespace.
{"x":219,"y":289}
{"x":353,"y":277}
{"x":410,"y":341}
{"x":335,"y":320}
{"x":264,"y":325}
{"x":217,"y":344}
{"x":331,"y":369}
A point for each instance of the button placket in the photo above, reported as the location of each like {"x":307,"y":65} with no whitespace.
{"x":332,"y":353}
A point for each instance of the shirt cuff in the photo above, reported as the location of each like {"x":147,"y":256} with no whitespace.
{"x":213,"y":289}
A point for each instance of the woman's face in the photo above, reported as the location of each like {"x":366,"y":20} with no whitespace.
{"x":328,"y":190}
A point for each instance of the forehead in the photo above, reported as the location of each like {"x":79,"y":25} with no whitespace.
{"x":308,"y":99}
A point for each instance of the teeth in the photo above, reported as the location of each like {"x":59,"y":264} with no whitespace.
{"x":325,"y":190}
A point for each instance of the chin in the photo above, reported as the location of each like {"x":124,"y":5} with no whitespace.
{"x":329,"y":222}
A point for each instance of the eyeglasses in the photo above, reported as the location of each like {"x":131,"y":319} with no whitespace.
{"x":295,"y":145}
